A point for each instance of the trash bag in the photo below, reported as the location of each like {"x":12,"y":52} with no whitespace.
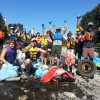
{"x":8,"y":71}
{"x":40,"y":72}
{"x":54,"y":72}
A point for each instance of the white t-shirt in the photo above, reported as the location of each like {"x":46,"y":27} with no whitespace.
{"x":20,"y":55}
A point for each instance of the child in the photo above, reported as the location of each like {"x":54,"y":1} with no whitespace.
{"x":70,"y":54}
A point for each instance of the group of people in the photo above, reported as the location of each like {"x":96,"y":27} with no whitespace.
{"x":24,"y":50}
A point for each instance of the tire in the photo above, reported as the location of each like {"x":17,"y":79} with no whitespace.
{"x":86,"y":68}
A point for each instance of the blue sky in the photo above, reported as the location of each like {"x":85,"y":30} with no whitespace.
{"x":34,"y":13}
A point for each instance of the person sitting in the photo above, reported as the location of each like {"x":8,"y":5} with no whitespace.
{"x":33,"y":50}
{"x":9,"y":53}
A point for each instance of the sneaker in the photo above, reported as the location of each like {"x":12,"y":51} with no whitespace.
{"x":23,"y":76}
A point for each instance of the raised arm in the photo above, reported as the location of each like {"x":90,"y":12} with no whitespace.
{"x":44,"y":30}
{"x":51,"y":27}
{"x":7,"y":27}
{"x":78,"y":25}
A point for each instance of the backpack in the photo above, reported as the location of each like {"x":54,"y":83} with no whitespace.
{"x":2,"y":35}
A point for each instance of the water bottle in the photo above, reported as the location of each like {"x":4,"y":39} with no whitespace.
{"x":65,"y":21}
{"x":42,"y":25}
{"x":50,"y":22}
{"x":78,"y":17}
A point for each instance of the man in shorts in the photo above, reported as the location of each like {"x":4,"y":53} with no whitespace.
{"x":57,"y":42}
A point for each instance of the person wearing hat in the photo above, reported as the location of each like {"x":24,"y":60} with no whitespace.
{"x":79,"y":43}
{"x":33,"y":50}
{"x":88,"y":47}
{"x":24,"y":35}
{"x":57,"y":42}
{"x":70,"y":53}
{"x":11,"y":31}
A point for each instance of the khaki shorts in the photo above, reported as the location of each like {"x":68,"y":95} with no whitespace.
{"x":56,"y":49}
{"x":88,"y":52}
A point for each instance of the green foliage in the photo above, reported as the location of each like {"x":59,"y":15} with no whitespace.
{"x":97,"y":45}
{"x":1,"y":20}
{"x":93,"y":16}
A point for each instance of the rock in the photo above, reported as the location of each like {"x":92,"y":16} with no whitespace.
{"x":53,"y":96}
{"x":24,"y":77}
{"x":24,"y":97}
{"x":43,"y":89}
{"x":84,"y":98}
{"x":25,"y":91}
{"x":22,"y":88}
{"x":5,"y":93}
{"x":69,"y":95}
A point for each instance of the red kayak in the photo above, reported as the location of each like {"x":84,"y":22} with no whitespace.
{"x":54,"y":72}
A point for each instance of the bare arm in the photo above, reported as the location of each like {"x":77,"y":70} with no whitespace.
{"x":2,"y":57}
{"x":78,"y":25}
{"x":49,"y":39}
{"x":64,"y":29}
{"x":41,"y":50}
{"x":7,"y":26}
{"x":44,"y":31}
{"x":50,"y":28}
{"x":27,"y":48}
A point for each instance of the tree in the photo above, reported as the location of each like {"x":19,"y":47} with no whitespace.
{"x":93,"y":16}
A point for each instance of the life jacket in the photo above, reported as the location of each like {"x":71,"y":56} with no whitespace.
{"x":44,"y":42}
{"x":2,"y":35}
{"x":70,"y":44}
{"x":79,"y":38}
{"x":88,"y":36}
{"x":25,"y":37}
{"x":58,"y":36}
{"x":38,"y":38}
{"x":11,"y":54}
{"x":33,"y":53}
{"x":13,"y":36}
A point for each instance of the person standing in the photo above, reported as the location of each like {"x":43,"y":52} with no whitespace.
{"x":57,"y":42}
{"x":88,"y":47}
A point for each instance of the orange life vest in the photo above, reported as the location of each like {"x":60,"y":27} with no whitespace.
{"x":2,"y":35}
{"x":88,"y":36}
{"x":38,"y":38}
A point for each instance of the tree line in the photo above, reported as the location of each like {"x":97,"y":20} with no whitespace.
{"x":91,"y":16}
